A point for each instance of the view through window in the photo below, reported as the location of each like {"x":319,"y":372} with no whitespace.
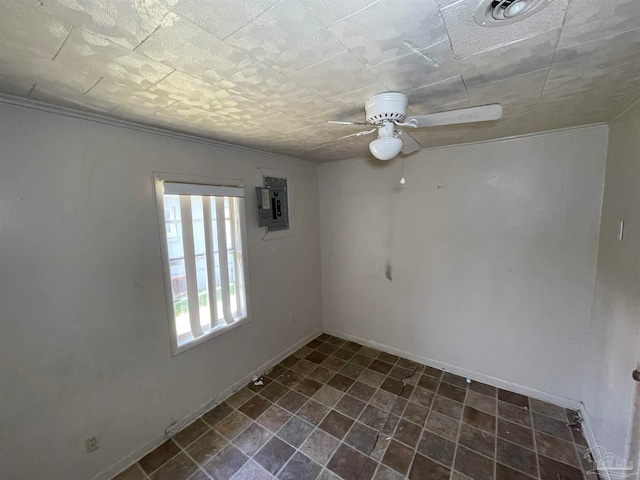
{"x":204,"y":233}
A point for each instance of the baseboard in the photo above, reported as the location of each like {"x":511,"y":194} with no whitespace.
{"x":592,"y":442}
{"x":480,"y":377}
{"x":175,"y":427}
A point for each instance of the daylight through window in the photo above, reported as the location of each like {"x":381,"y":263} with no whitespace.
{"x":204,"y":227}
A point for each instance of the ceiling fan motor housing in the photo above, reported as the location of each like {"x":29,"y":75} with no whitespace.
{"x":386,"y":106}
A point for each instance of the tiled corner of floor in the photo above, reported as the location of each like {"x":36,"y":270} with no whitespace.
{"x":338,"y":410}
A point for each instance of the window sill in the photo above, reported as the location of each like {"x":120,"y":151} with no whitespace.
{"x":216,"y":332}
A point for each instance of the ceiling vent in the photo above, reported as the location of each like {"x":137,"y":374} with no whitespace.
{"x":495,"y":13}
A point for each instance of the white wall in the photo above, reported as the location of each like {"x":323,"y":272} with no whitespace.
{"x":85,"y":338}
{"x":491,"y":248}
{"x":615,"y":323}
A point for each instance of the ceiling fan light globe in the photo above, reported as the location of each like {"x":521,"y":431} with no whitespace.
{"x":385,"y":148}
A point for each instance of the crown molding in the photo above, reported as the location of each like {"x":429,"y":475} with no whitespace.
{"x":479,"y":142}
{"x":140,"y":127}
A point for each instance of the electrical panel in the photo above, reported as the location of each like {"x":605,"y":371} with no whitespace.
{"x":273,"y":204}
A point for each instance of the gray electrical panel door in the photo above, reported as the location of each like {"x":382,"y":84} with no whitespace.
{"x":273,"y":204}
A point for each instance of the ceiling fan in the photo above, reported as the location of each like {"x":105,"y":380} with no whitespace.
{"x":387,"y":113}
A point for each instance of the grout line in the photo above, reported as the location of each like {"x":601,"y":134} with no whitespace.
{"x":455,"y":453}
{"x":535,"y":442}
{"x":306,"y":374}
{"x":495,"y":447}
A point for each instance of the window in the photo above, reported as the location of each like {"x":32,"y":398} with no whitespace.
{"x":204,"y":258}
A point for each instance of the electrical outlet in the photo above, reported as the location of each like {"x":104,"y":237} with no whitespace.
{"x":91,"y":444}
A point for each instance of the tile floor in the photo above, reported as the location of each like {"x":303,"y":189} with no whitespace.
{"x":337,"y":410}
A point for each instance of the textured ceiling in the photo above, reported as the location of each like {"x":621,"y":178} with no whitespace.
{"x":266,"y":74}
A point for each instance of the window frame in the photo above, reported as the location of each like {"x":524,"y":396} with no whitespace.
{"x":158,"y":180}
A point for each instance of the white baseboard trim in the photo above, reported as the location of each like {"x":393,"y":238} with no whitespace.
{"x":480,"y":377}
{"x":175,"y":427}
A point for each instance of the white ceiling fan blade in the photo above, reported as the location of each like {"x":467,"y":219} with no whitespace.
{"x":359,"y":134}
{"x":409,"y":144}
{"x":337,"y":122}
{"x":463,"y":115}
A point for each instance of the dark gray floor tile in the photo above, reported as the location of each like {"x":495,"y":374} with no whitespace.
{"x":343,"y":353}
{"x":442,"y":425}
{"x":373,"y":417}
{"x":454,"y":393}
{"x":422,"y":396}
{"x":217,"y":414}
{"x":473,"y":465}
{"x":336,"y":424}
{"x":516,"y":457}
{"x":423,"y":469}
{"x":361,"y":437}
{"x":407,"y":433}
{"x":437,"y":448}
{"x":447,"y":407}
{"x":350,"y":406}
{"x":514,"y":414}
{"x":255,"y":407}
{"x":321,"y":374}
{"x":483,"y":388}
{"x":232,"y":425}
{"x":307,"y":387}
{"x":352,"y":370}
{"x":300,"y":467}
{"x":513,"y":398}
{"x":180,"y":467}
{"x":387,"y":357}
{"x":292,"y":401}
{"x":274,"y":418}
{"x":191,"y":433}
{"x":251,"y":471}
{"x":557,"y":449}
{"x":295,"y":431}
{"x":553,"y":470}
{"x":515,"y":433}
{"x":313,"y":412}
{"x":429,"y":383}
{"x":274,"y":391}
{"x":206,"y":447}
{"x":290,"y":378}
{"x":349,"y":464}
{"x":252,"y":439}
{"x":481,"y":402}
{"x":158,"y":457}
{"x":398,"y":457}
{"x":505,"y":473}
{"x":274,"y":455}
{"x":415,"y":413}
{"x":552,"y":427}
{"x":453,"y":379}
{"x":477,"y":440}
{"x":320,"y":446}
{"x":380,"y":367}
{"x":340,"y":382}
{"x":361,"y":391}
{"x":226,"y":463}
{"x":548,"y":409}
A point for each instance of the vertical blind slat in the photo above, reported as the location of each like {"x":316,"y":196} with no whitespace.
{"x":211,"y":260}
{"x":223,"y":260}
{"x":190,"y":265}
{"x":236,"y":240}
